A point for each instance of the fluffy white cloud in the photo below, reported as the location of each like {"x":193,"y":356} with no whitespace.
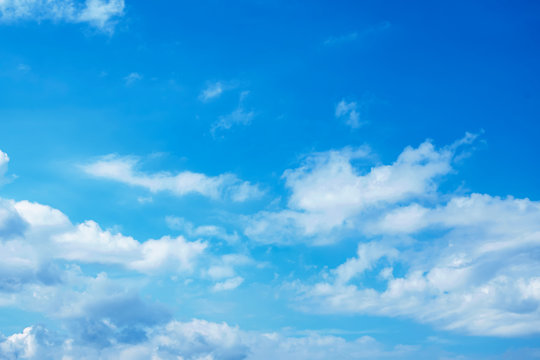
{"x":34,"y":234}
{"x":101,"y":14}
{"x":328,"y":193}
{"x":123,"y":169}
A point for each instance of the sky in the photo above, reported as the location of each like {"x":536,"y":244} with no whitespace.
{"x":269,"y":179}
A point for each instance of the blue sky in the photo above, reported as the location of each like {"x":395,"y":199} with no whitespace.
{"x":269,"y":179}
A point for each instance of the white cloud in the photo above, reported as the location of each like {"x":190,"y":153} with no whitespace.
{"x":240,"y":116}
{"x":328,"y":193}
{"x":4,"y":160}
{"x":123,"y":169}
{"x":466,"y":263}
{"x":229,"y":284}
{"x":213,"y":91}
{"x":35,"y":234}
{"x":198,"y":340}
{"x":101,"y":14}
{"x":205,"y":231}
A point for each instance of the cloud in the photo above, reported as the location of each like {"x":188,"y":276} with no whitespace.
{"x":349,"y":111}
{"x":240,"y":116}
{"x":35,"y":234}
{"x":205,"y":231}
{"x":213,"y":91}
{"x":229,"y":284}
{"x":4,"y":160}
{"x":329,"y":193}
{"x":198,"y":340}
{"x":123,"y":169}
{"x":466,"y":263}
{"x":101,"y":14}
{"x":132,"y":78}
{"x":88,"y":243}
{"x":354,"y":113}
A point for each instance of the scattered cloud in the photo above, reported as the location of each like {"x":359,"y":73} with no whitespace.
{"x":123,"y":169}
{"x":466,"y":263}
{"x":100,"y":14}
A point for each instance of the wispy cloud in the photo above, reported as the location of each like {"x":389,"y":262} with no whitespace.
{"x":229,"y":284}
{"x":350,"y":112}
{"x":132,"y":78}
{"x":356,"y":35}
{"x":341,"y":39}
{"x":204,"y":231}
{"x":213,"y":91}
{"x":124,"y":170}
{"x":354,"y":113}
{"x":100,"y":14}
{"x":240,"y":116}
{"x":4,"y":160}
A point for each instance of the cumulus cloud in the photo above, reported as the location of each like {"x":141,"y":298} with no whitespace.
{"x":101,"y":14}
{"x":34,"y":234}
{"x":124,"y":170}
{"x":198,"y":340}
{"x":328,"y":192}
